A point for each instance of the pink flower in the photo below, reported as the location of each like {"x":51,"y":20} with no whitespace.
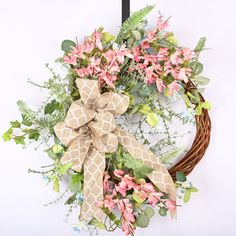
{"x":162,"y":24}
{"x":107,"y":185}
{"x":154,"y":198}
{"x":70,"y":59}
{"x":119,"y":173}
{"x":160,"y":85}
{"x":175,"y":58}
{"x":171,"y":205}
{"x":97,"y":38}
{"x":87,"y":47}
{"x":151,"y":35}
{"x":107,"y":78}
{"x":173,"y":87}
{"x":188,"y":54}
{"x":182,"y":75}
{"x":148,"y":187}
{"x":163,"y":53}
{"x":126,"y":209}
{"x":127,"y":183}
{"x":83,"y":72}
{"x":108,"y":202}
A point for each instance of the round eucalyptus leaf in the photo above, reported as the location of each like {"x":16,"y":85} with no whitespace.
{"x":142,"y":221}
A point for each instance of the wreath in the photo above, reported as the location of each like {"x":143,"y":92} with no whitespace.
{"x":95,"y":124}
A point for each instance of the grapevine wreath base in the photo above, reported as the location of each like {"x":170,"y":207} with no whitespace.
{"x":200,"y":144}
{"x":116,"y":176}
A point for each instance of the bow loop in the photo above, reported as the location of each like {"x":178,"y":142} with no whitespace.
{"x":115,"y":103}
{"x":65,"y":134}
{"x":89,"y":92}
{"x":78,"y":115}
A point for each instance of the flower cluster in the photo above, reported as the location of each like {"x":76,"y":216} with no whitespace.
{"x":164,"y":66}
{"x":96,"y":58}
{"x":124,"y":192}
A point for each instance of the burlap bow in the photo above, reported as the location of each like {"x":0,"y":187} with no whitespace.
{"x":89,"y":131}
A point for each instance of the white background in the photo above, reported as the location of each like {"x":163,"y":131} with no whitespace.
{"x":30,"y":35}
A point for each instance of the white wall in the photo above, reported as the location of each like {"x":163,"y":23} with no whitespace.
{"x":30,"y":35}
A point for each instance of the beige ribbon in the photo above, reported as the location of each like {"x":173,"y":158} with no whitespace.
{"x":89,"y":131}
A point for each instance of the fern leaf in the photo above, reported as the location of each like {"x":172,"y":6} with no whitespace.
{"x":132,"y":22}
{"x":137,"y":165}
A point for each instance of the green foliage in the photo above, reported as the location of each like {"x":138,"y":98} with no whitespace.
{"x":137,"y":165}
{"x":97,"y":223}
{"x":15,"y":124}
{"x":180,"y":176}
{"x":200,"y":80}
{"x":132,"y":23}
{"x":152,"y":119}
{"x":26,"y":120}
{"x":107,"y":37}
{"x":71,"y":199}
{"x":75,"y":183}
{"x":57,"y":148}
{"x":167,"y":157}
{"x":137,"y":197}
{"x":200,"y":45}
{"x":20,"y":140}
{"x":33,"y":134}
{"x":197,"y":67}
{"x":162,"y":211}
{"x":52,"y":106}
{"x":149,"y":212}
{"x":67,"y":45}
{"x":202,"y":105}
{"x":188,"y":192}
{"x":56,"y":184}
{"x":142,"y":220}
{"x":7,"y":136}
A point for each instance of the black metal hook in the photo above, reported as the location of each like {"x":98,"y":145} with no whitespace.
{"x":125,"y":10}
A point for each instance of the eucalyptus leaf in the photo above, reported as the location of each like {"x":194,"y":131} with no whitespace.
{"x":198,"y":68}
{"x":142,"y":221}
{"x":201,"y":80}
{"x":162,"y":211}
{"x":67,"y":45}
{"x":180,"y":176}
{"x":149,"y":212}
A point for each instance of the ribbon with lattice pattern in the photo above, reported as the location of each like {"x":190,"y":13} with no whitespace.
{"x":89,"y":131}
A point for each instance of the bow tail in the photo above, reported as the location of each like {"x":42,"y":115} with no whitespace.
{"x":160,"y":175}
{"x":94,"y":166}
